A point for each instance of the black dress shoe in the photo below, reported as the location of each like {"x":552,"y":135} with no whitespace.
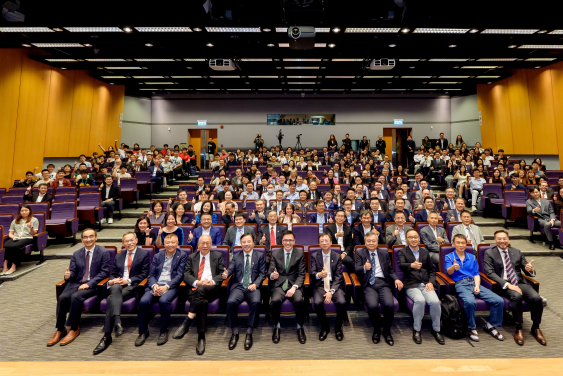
{"x":552,"y":246}
{"x":181,"y":331}
{"x":389,"y":339}
{"x":376,"y":336}
{"x":339,"y":334}
{"x":439,"y":337}
{"x":118,"y":330}
{"x":104,"y":344}
{"x":416,"y":337}
{"x":200,"y":348}
{"x":248,"y":341}
{"x":162,"y":338}
{"x":233,"y":341}
{"x":140,"y":341}
{"x":323,"y":334}
{"x":276,"y":335}
{"x":301,"y":336}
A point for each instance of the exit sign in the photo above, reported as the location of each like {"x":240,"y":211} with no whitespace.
{"x":398,"y":121}
{"x":201,"y":123}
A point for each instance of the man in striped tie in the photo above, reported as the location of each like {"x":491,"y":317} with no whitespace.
{"x":247,"y":271}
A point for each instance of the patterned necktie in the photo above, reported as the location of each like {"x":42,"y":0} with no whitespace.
{"x":326,"y":280}
{"x":286,"y":282}
{"x":471,"y":237}
{"x":372,"y":275}
{"x":272,"y":236}
{"x":510,"y":270}
{"x":312,"y":195}
{"x":87,"y":270}
{"x":200,"y":271}
{"x":246,"y":275}
{"x":129,"y":261}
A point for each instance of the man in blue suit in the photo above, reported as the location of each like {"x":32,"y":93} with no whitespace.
{"x":377,"y":216}
{"x":166,"y":274}
{"x":205,"y":229}
{"x":259,"y":215}
{"x":88,"y":267}
{"x":422,"y":215}
{"x":321,"y":217}
{"x":247,"y":271}
{"x":157,"y":175}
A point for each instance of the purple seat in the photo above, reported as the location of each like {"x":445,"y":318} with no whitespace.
{"x":40,"y":207}
{"x":450,"y":228}
{"x":64,"y":221}
{"x":306,"y":233}
{"x":534,"y":225}
{"x":164,"y":205}
{"x":206,"y":174}
{"x":491,"y":188}
{"x":90,"y":189}
{"x":39,"y":239}
{"x":512,"y":199}
{"x":129,"y":190}
{"x":2,"y":251}
{"x":62,"y":197}
{"x":186,"y":228}
{"x":553,"y":173}
{"x":2,"y":192}
{"x":187,"y":187}
{"x":8,"y":199}
{"x":144,"y":182}
{"x":250,"y":205}
{"x":5,"y":222}
{"x":90,"y":208}
{"x":323,"y":188}
{"x":10,"y":209}
{"x":15,"y":191}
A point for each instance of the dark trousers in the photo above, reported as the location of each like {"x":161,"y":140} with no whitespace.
{"x":15,"y":250}
{"x":236,"y":297}
{"x":199,"y":299}
{"x":528,"y":295}
{"x":338,"y":299}
{"x":374,"y":295}
{"x":349,"y":263}
{"x":276,"y":300}
{"x":117,"y":294}
{"x":71,"y":301}
{"x":410,"y":159}
{"x":157,"y":182}
{"x":145,"y":305}
{"x":111,"y":206}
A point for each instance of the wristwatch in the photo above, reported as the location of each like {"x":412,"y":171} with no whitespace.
{"x":332,"y":291}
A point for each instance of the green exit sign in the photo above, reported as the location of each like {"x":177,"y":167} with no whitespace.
{"x":201,"y":123}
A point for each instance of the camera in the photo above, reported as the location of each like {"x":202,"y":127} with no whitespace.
{"x":300,"y":134}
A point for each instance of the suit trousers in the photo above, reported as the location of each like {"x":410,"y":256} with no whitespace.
{"x":158,"y":181}
{"x":276,"y":300}
{"x":236,"y":297}
{"x":165,"y":304}
{"x":338,"y":298}
{"x":421,"y":297}
{"x":71,"y":301}
{"x":547,"y":228}
{"x":117,"y":294}
{"x":110,"y":205}
{"x":435,"y":256}
{"x":199,"y":300}
{"x":15,"y":250}
{"x":528,"y":295}
{"x":349,"y":263}
{"x":374,"y":295}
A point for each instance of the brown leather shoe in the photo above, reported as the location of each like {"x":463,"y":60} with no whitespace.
{"x":538,"y":335}
{"x":519,"y":337}
{"x":56,"y":338}
{"x":71,"y":336}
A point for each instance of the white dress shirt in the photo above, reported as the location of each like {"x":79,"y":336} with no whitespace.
{"x":206,"y":270}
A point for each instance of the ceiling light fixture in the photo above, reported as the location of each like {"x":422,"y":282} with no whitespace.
{"x":336,"y":30}
{"x":538,"y":67}
{"x":331,"y":45}
{"x":347,"y":60}
{"x":154,"y":60}
{"x":487,"y":77}
{"x":87,"y":45}
{"x":266,"y":30}
{"x":103,"y":60}
{"x":210,"y":44}
{"x":112,"y":77}
{"x":57,"y":45}
{"x":512,"y":46}
{"x":340,"y":76}
{"x":94,"y":29}
{"x":159,"y":83}
{"x":25,"y":30}
{"x":164,"y":29}
{"x":405,"y":30}
{"x":446,"y":60}
{"x":145,"y":77}
{"x":542,"y":31}
{"x":378,"y":76}
{"x":556,"y":32}
{"x":195,"y":59}
{"x":453,"y":76}
{"x":61,"y":60}
{"x":509,"y":31}
{"x":148,"y":44}
{"x":65,"y":68}
{"x":497,"y":59}
{"x":412,"y":67}
{"x":186,"y":76}
{"x":392,"y":45}
{"x":263,"y":76}
{"x":480,"y":67}
{"x":58,"y":29}
{"x":424,"y":30}
{"x":271,"y":45}
{"x":283,"y":45}
{"x":371,"y":30}
{"x":542,"y":46}
{"x":301,"y":67}
{"x":302,"y":59}
{"x":114,"y":68}
{"x":452,"y":46}
{"x":541,"y":59}
{"x":416,"y":76}
{"x":322,"y":45}
{"x":26,"y":45}
{"x":224,"y":76}
{"x":233,"y":29}
{"x":255,"y":60}
{"x":473,"y":31}
{"x":127,"y":29}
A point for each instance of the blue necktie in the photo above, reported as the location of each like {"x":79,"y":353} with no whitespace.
{"x":372,"y":262}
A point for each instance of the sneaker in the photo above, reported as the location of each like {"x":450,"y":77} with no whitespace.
{"x":103,"y":220}
{"x":473,"y":208}
{"x":543,"y":301}
{"x":110,"y":220}
{"x":473,"y":335}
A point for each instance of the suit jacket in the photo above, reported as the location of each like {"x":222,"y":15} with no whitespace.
{"x":460,"y":229}
{"x":231,"y":235}
{"x":265,"y":231}
{"x":113,"y":193}
{"x":317,"y":264}
{"x":318,"y":195}
{"x":226,"y":219}
{"x":391,"y":215}
{"x":259,"y":220}
{"x":348,"y":241}
{"x":177,"y":272}
{"x":391,"y":239}
{"x":295,"y":273}
{"x":271,"y":207}
{"x":379,"y":217}
{"x":358,"y":234}
{"x":159,"y":171}
{"x":46,"y":198}
{"x":216,"y":264}
{"x":445,"y":200}
{"x":414,"y":277}
{"x":494,"y":267}
{"x":214,"y":232}
{"x":99,"y":267}
{"x":443,"y":143}
{"x":380,"y":145}
{"x":355,"y":218}
{"x":408,"y":205}
{"x":453,"y":216}
{"x":429,"y":240}
{"x":546,"y":213}
{"x":421,"y":216}
{"x":548,"y":193}
{"x":257,"y":270}
{"x":437,"y":164}
{"x":359,"y":205}
{"x":312,"y":217}
{"x":362,"y":255}
{"x":142,"y":168}
{"x":139,"y":268}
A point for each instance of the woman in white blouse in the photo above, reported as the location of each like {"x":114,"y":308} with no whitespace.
{"x":20,"y":235}
{"x":289,"y":217}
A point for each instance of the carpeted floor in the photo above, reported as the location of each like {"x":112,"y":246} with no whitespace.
{"x":27,"y":317}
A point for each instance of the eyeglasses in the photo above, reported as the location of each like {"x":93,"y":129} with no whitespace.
{"x":89,"y":237}
{"x":413,"y":237}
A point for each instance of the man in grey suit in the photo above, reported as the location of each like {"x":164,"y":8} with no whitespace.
{"x":543,"y":209}
{"x":454,"y":215}
{"x":432,"y":236}
{"x":278,"y":205}
{"x":232,"y":237}
{"x":448,"y":202}
{"x":399,"y":193}
{"x":471,"y":232}
{"x":396,"y":234}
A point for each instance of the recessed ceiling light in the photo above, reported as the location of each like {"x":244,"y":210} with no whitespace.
{"x":542,"y":31}
{"x":302,"y":59}
{"x":65,"y":68}
{"x":197,"y":29}
{"x":541,"y":59}
{"x":331,"y":45}
{"x":320,"y":45}
{"x":148,"y":44}
{"x":489,"y":82}
{"x":347,"y":59}
{"x":412,"y":67}
{"x":94,"y":29}
{"x":195,"y":59}
{"x":283,"y":45}
{"x":266,"y":30}
{"x":509,"y":31}
{"x":419,"y":30}
{"x":271,"y":45}
{"x":452,"y":46}
{"x":25,"y":30}
{"x":26,"y":45}
{"x":127,"y":30}
{"x":233,"y":29}
{"x":87,"y":45}
{"x":61,"y":60}
{"x":537,"y":67}
{"x":480,"y":67}
{"x":405,"y":30}
{"x":371,"y":30}
{"x":58,"y":29}
{"x":446,"y":60}
{"x":112,"y":77}
{"x":103,"y":60}
{"x":336,"y":30}
{"x":473,"y":31}
{"x":154,"y":60}
{"x":55,"y":45}
{"x":392,"y":45}
{"x":145,"y":77}
{"x":111,"y":83}
{"x":209,"y":44}
{"x":497,"y":59}
{"x":340,"y":76}
{"x":542,"y":46}
{"x":512,"y":46}
{"x":164,"y":29}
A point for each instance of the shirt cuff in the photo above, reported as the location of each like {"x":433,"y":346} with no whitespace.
{"x":296,"y":286}
{"x":505,"y":286}
{"x":532,"y":273}
{"x":214,"y":283}
{"x":195,"y":283}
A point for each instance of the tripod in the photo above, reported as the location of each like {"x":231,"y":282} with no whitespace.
{"x":298,"y":144}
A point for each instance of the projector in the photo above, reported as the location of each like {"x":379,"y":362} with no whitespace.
{"x":301,"y":37}
{"x":382,"y":64}
{"x":222,"y":64}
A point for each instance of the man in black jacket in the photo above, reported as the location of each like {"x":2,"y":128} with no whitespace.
{"x":380,"y":145}
{"x":347,"y":143}
{"x":341,"y":234}
{"x":41,"y":196}
{"x":411,"y":147}
{"x":110,"y":194}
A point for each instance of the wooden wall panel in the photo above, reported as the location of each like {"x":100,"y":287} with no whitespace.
{"x":59,"y":113}
{"x":557,"y":87}
{"x":79,"y":136}
{"x":98,"y":123}
{"x":486,"y":106}
{"x":522,"y":137}
{"x":10,"y":77}
{"x":388,"y":138}
{"x":503,"y":126}
{"x":32,"y":117}
{"x":117,"y":97}
{"x":540,"y":94}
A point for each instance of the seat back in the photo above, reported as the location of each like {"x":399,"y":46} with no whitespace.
{"x":17,"y":191}
{"x":306,"y":233}
{"x":450,"y":228}
{"x":186,"y":187}
{"x":112,"y":253}
{"x":222,"y":228}
{"x":64,"y":197}
{"x":481,"y":249}
{"x":12,"y":199}
{"x":41,"y":218}
{"x":224,"y":250}
{"x":515,"y":197}
{"x":323,"y":188}
{"x":63,"y":210}
{"x":40,"y":207}
{"x":186,"y":229}
{"x":493,"y":188}
{"x":143,"y":177}
{"x":10,"y":209}
{"x":253,"y":225}
{"x":90,"y":199}
{"x":420,"y":225}
{"x":128,"y":184}
{"x":446,"y":249}
{"x":66,"y":190}
{"x":6,"y":220}
{"x":88,"y":189}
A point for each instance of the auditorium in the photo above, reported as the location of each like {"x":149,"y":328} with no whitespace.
{"x":216,"y":187}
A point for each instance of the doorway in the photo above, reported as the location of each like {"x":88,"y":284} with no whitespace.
{"x":198,"y":138}
{"x":395,"y":139}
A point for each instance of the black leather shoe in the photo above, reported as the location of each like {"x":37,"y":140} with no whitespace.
{"x":162,"y":338}
{"x":339,"y":334}
{"x":233,"y":341}
{"x":118,"y":330}
{"x":200,"y":348}
{"x":140,"y":341}
{"x":376,"y":336}
{"x":276,"y":335}
{"x":248,"y":341}
{"x":301,"y":336}
{"x":103,"y":345}
{"x":416,"y":337}
{"x":181,"y":331}
{"x":389,"y":339}
{"x":552,"y":246}
{"x":323,"y":334}
{"x":439,"y":337}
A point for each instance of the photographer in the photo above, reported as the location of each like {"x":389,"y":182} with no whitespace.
{"x":258,"y":142}
{"x":347,"y":143}
{"x":280,"y":138}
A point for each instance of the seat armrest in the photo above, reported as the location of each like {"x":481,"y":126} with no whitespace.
{"x":347,"y":279}
{"x":103,"y":282}
{"x":225,"y":282}
{"x":307,"y":281}
{"x":266,"y":282}
{"x":535,"y":284}
{"x":445,"y":278}
{"x":61,"y":283}
{"x":441,"y":287}
{"x":183,"y":284}
{"x":484,"y":277}
{"x":355,"y":279}
{"x":143,"y":283}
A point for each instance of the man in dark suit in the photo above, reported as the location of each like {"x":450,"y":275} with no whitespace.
{"x":247,"y":271}
{"x":429,"y":206}
{"x":380,"y":145}
{"x":278,"y":205}
{"x":110,"y":194}
{"x":419,"y":279}
{"x":436,"y":166}
{"x":328,"y":286}
{"x":433,"y":236}
{"x":228,"y":218}
{"x":543,"y":209}
{"x":206,"y":229}
{"x":287,"y":283}
{"x":399,"y":208}
{"x":40,"y":196}
{"x":359,"y":231}
{"x":454,"y":215}
{"x":314,"y":194}
{"x":341,"y":234}
{"x":88,"y":267}
{"x":350,"y":216}
{"x":320,"y":216}
{"x":376,"y":215}
{"x":442,"y":142}
{"x":448,"y":202}
{"x":373,"y":267}
{"x":203,"y":275}
{"x":265,"y":234}
{"x":129,"y":269}
{"x":234,"y":233}
{"x":259,"y":215}
{"x":506,"y":265}
{"x":157,"y":175}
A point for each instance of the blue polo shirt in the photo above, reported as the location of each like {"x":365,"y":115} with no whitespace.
{"x":469,"y":268}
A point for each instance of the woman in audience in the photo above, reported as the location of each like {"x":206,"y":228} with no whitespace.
{"x":399,"y":180}
{"x":330,"y":179}
{"x":180,"y":210}
{"x":346,"y":178}
{"x":206,"y":208}
{"x":301,"y":164}
{"x":20,"y":235}
{"x":378,"y":156}
{"x":216,"y":181}
{"x":107,"y":153}
{"x":316,"y":161}
{"x":329,"y":201}
{"x":426,"y":142}
{"x":68,"y":171}
{"x":483,"y":172}
{"x":228,"y":199}
{"x":332,"y":144}
{"x":459,"y":142}
{"x":530,"y":178}
{"x":461,"y":176}
{"x":143,"y":231}
{"x":136,"y":148}
{"x":156,"y":215}
{"x":202,"y":197}
{"x":463,"y":150}
{"x":523,"y":164}
{"x":521,"y":176}
{"x":541,"y":165}
{"x":449,"y":173}
{"x":289,"y":217}
{"x":497,"y":178}
{"x":292,"y":177}
{"x":558,"y":201}
{"x":469,"y":163}
{"x":478,"y":148}
{"x":502,"y":170}
{"x":292,"y":167}
{"x":170,"y":228}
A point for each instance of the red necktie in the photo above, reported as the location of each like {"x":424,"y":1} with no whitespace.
{"x":543,"y":195}
{"x":272,"y":236}
{"x":200,"y":271}
{"x":129,"y":262}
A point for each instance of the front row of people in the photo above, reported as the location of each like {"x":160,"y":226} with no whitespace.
{"x":204,"y":272}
